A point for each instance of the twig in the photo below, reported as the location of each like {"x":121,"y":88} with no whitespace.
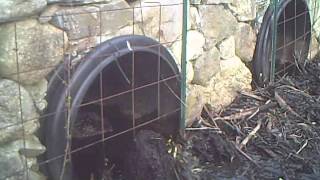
{"x":303,"y":146}
{"x":247,"y":112}
{"x":246,"y":155}
{"x":203,"y":128}
{"x":282,"y":103}
{"x":251,"y":134}
{"x":210,"y":115}
{"x":259,"y":98}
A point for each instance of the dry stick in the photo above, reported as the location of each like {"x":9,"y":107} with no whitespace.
{"x":282,"y":103}
{"x":259,"y":98}
{"x":303,"y":146}
{"x":210,"y":115}
{"x":251,"y":134}
{"x":246,"y":155}
{"x":247,"y":112}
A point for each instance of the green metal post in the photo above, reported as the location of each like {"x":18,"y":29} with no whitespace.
{"x":184,"y":62}
{"x":274,"y":41}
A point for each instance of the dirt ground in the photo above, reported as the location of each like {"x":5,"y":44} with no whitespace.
{"x":269,"y":133}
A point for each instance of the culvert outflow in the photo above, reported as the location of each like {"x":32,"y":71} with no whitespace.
{"x":93,"y":106}
{"x":292,"y":44}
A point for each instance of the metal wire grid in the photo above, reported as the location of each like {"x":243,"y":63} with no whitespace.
{"x":292,"y":28}
{"x":70,"y":65}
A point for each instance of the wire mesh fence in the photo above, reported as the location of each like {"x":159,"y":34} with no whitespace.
{"x":104,"y":90}
{"x":114,"y":80}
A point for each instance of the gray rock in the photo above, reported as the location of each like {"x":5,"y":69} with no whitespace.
{"x":176,"y":51}
{"x":314,"y":50}
{"x":14,"y":166}
{"x":12,"y":10}
{"x":168,"y":26}
{"x":245,"y":39}
{"x":77,"y":2}
{"x":11,"y":113}
{"x":234,"y":77}
{"x":38,"y":92}
{"x":195,"y":21}
{"x":47,"y":14}
{"x":206,"y":66}
{"x":217,"y":23}
{"x":195,"y":2}
{"x":88,"y":21}
{"x":78,"y":22}
{"x":194,"y":103}
{"x":40,"y":47}
{"x":116,"y":16}
{"x":315,"y":15}
{"x":32,"y":147}
{"x":227,"y":48}
{"x":261,"y":7}
{"x":219,"y":1}
{"x":245,"y":10}
{"x":27,"y":176}
{"x":11,"y":162}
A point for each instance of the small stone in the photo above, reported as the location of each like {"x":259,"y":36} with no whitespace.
{"x":206,"y":66}
{"x":10,"y":161}
{"x":227,"y":48}
{"x":11,"y":112}
{"x":315,"y":15}
{"x":195,"y":2}
{"x":77,"y":2}
{"x":13,"y":10}
{"x":48,"y":13}
{"x":194,"y":103}
{"x":195,"y":21}
{"x":224,"y":86}
{"x":245,"y":42}
{"x":245,"y":10}
{"x":314,"y":50}
{"x":32,"y":147}
{"x":195,"y":44}
{"x":217,"y":23}
{"x":219,"y":1}
{"x":40,"y":47}
{"x":38,"y":92}
{"x":167,"y":28}
{"x":79,"y":22}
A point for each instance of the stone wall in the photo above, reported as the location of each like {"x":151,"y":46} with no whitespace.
{"x":36,"y":35}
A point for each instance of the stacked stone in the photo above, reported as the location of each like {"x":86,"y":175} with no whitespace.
{"x":227,"y":27}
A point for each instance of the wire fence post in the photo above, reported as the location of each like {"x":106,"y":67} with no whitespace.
{"x":184,"y":62}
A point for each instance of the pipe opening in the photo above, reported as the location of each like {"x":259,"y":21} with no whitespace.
{"x":117,"y":112}
{"x":112,"y":98}
{"x":292,"y":40}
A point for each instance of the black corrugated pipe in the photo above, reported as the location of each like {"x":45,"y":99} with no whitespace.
{"x":107,"y":72}
{"x":293,"y":39}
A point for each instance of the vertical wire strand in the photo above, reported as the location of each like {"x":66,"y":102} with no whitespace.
{"x":295,"y":29}
{"x":133,"y":80}
{"x":20,"y":98}
{"x":159,"y":63}
{"x":67,"y":65}
{"x":185,"y":9}
{"x":284,"y":38}
{"x":102,"y":124}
